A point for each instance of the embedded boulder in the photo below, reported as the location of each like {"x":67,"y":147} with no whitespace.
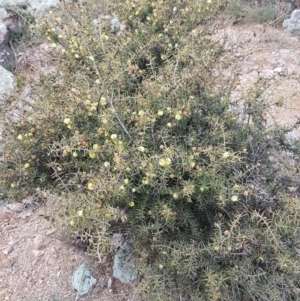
{"x":82,"y":280}
{"x":125,"y":265}
{"x":7,"y":83}
{"x":293,"y":23}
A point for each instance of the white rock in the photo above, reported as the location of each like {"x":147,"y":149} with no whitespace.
{"x":293,"y":23}
{"x":35,"y":7}
{"x":3,"y":14}
{"x":3,"y":34}
{"x":278,"y":70}
{"x":266,"y":73}
{"x":7,"y":83}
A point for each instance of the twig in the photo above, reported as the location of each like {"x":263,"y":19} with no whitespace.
{"x":120,"y":122}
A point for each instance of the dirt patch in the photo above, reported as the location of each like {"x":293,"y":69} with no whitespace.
{"x":37,"y":261}
{"x":259,"y":52}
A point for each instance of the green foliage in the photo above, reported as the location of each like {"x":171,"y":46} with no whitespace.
{"x":254,"y":12}
{"x":132,"y":132}
{"x":24,"y":21}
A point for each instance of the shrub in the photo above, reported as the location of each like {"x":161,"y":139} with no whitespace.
{"x":273,"y":12}
{"x":130,"y":134}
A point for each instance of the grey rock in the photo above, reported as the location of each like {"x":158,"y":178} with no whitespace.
{"x":3,"y":14}
{"x":82,"y":280}
{"x":7,"y":58}
{"x":115,"y":25}
{"x":3,"y":34}
{"x":34,"y":7}
{"x":7,"y":83}
{"x":109,"y":283}
{"x":125,"y":264}
{"x":293,"y":23}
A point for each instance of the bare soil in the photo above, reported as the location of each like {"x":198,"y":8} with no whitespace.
{"x":37,"y":261}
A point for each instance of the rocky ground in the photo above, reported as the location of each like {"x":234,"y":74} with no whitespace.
{"x":264,"y":52}
{"x":37,"y":261}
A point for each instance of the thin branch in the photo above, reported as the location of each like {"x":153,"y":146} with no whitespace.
{"x":120,"y":122}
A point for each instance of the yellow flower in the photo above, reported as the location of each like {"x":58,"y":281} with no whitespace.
{"x":236,"y":187}
{"x":103,"y":101}
{"x":80,"y":212}
{"x":92,"y":155}
{"x":160,"y":113}
{"x":141,"y":149}
{"x":90,"y":186}
{"x":106,"y":164}
{"x":72,"y":223}
{"x":208,"y":1}
{"x":165,"y":162}
{"x":175,"y":195}
{"x":126,"y":181}
{"x":234,"y":198}
{"x":75,"y":154}
{"x":141,"y":113}
{"x":13,"y":185}
{"x":67,"y":121}
{"x":20,"y":137}
{"x":26,"y":165}
{"x":95,"y":147}
{"x":226,"y":155}
{"x":202,"y":188}
{"x":113,"y":137}
{"x":178,"y":116}
{"x":131,"y":204}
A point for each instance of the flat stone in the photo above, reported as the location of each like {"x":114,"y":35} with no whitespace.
{"x":82,"y":280}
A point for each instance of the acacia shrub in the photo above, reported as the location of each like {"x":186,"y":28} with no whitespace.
{"x":130,"y":134}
